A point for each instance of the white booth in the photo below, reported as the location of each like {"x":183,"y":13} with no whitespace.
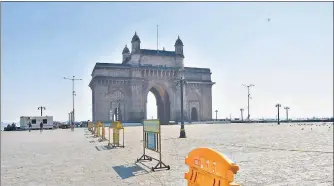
{"x":36,"y":121}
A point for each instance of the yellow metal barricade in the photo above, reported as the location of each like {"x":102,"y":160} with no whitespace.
{"x":90,"y":126}
{"x":98,"y":129}
{"x":94,"y":129}
{"x":116,"y":127}
{"x":103,"y":136}
{"x":209,"y":167}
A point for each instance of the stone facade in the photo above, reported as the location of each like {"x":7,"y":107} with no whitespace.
{"x":126,"y":86}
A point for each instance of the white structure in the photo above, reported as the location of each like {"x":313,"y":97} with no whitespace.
{"x":36,"y":121}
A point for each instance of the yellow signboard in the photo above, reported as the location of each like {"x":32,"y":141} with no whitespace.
{"x":152,"y":126}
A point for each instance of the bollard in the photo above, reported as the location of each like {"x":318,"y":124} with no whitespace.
{"x":209,"y":167}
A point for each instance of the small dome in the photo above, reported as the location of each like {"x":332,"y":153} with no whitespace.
{"x":125,"y":50}
{"x":178,"y":41}
{"x":135,"y":38}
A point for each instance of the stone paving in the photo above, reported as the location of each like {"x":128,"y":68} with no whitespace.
{"x":267,"y":154}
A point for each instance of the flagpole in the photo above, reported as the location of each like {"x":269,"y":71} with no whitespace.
{"x":157,"y":37}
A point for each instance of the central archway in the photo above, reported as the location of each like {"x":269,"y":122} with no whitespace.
{"x":194,"y":116}
{"x":163,"y":104}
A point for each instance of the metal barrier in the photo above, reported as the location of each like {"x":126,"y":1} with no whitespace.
{"x":90,"y":126}
{"x":94,"y":128}
{"x":98,"y":126}
{"x":103,"y":136}
{"x":152,"y":141}
{"x":209,"y":167}
{"x":116,"y":127}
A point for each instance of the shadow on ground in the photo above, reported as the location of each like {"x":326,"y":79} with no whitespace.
{"x":129,"y":170}
{"x":103,"y":147}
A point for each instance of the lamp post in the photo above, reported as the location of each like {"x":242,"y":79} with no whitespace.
{"x":73,"y":94}
{"x":181,"y":82}
{"x":242,"y":115}
{"x":287,"y":113}
{"x":278,"y":106}
{"x":248,"y":97}
{"x":69,"y":118}
{"x":216,"y":114}
{"x":41,"y":108}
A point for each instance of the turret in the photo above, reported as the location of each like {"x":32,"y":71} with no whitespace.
{"x":179,"y":47}
{"x":125,"y":53}
{"x":135,"y":43}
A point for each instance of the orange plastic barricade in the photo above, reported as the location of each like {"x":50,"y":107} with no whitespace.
{"x":209,"y":167}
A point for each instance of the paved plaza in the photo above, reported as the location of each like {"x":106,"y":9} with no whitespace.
{"x":267,"y":154}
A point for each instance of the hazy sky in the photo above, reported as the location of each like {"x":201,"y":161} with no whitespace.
{"x":289,"y":59}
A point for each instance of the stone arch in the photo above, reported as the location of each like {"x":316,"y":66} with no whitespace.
{"x":117,"y":104}
{"x":193,"y":101}
{"x":162,"y":96}
{"x":193,"y":114}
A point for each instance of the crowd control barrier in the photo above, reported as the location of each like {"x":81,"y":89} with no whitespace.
{"x":98,"y":129}
{"x":90,"y":126}
{"x":103,"y":136}
{"x":152,"y":141}
{"x":116,"y":127}
{"x":94,"y":128}
{"x":209,"y":167}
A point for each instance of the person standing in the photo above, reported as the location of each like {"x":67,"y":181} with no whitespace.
{"x":29,"y":125}
{"x":41,"y":127}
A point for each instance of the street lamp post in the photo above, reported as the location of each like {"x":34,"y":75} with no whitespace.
{"x":69,"y":118}
{"x":41,"y":108}
{"x":248,"y":96}
{"x":287,"y":113}
{"x":73,"y":94}
{"x":216,"y":115}
{"x":181,"y":82}
{"x":242,"y":115}
{"x":278,"y":106}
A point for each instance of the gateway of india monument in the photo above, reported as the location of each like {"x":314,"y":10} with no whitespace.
{"x":121,"y":89}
